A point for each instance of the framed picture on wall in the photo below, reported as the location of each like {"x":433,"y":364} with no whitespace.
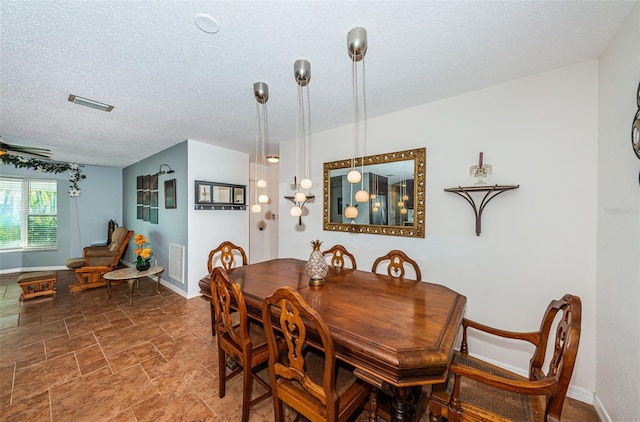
{"x":153,"y":182}
{"x":219,"y":196}
{"x":139,"y":182}
{"x":170,"y":193}
{"x":145,"y":182}
{"x":203,"y":193}
{"x":153,"y":216}
{"x":154,"y":198}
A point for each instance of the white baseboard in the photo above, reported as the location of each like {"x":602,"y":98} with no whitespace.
{"x":600,"y":410}
{"x":577,"y":393}
{"x":173,"y":288}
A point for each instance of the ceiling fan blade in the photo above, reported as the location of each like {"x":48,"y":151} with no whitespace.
{"x":25,"y":151}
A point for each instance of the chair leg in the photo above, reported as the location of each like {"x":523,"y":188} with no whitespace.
{"x":247,"y":382}
{"x":278,"y":410}
{"x":373,"y":406}
{"x":222,"y":372}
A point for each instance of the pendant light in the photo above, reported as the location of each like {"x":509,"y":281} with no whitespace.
{"x":261,"y":93}
{"x":357,"y":48}
{"x":302,"y":75}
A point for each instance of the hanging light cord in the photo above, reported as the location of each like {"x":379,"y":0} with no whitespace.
{"x":299,"y":134}
{"x":356,"y":123}
{"x":364,"y":116}
{"x":258,"y":142}
{"x":307,"y":147}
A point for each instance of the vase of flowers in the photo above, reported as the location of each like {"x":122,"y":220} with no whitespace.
{"x":316,"y":266}
{"x":143,"y":252}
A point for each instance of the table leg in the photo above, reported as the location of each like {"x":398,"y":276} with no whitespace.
{"x":402,"y":404}
{"x":109,"y":288}
{"x":158,"y":284}
{"x":131,"y":281}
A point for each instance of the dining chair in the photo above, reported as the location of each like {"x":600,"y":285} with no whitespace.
{"x":228,"y":256}
{"x":243,"y":340}
{"x":479,"y":391}
{"x":337,"y":255}
{"x":306,"y":378}
{"x":396,"y":266}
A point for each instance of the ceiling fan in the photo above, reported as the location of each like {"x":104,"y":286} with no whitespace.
{"x":33,"y":152}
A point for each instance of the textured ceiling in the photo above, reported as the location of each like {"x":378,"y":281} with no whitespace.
{"x":169,"y":81}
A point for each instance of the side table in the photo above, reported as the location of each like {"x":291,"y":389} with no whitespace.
{"x":132,"y":275}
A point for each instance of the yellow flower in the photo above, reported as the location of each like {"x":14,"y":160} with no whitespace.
{"x":139,"y":239}
{"x":142,"y":251}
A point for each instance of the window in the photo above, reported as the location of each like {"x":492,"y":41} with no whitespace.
{"x":28,"y":214}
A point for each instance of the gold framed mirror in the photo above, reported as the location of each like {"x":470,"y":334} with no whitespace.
{"x":396,"y":185}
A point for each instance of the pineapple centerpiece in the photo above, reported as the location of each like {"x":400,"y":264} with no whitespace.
{"x":316,"y":267}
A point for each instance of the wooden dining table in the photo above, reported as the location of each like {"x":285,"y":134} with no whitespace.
{"x":394,"y":331}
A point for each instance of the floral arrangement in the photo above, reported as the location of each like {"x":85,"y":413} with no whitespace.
{"x":47,"y":167}
{"x":143,"y":252}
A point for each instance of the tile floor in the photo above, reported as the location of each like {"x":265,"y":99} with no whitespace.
{"x":82,"y":357}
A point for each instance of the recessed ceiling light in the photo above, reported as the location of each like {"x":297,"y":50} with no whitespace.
{"x":90,"y":103}
{"x":206,"y":23}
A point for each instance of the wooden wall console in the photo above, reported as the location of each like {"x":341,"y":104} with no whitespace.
{"x":491,"y":192}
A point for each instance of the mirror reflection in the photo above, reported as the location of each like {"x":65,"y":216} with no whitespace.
{"x":395,"y":183}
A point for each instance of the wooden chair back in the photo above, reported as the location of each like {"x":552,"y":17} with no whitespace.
{"x":338,"y":255}
{"x":228,"y":255}
{"x":302,"y":380}
{"x":481,"y":391}
{"x":396,"y":266}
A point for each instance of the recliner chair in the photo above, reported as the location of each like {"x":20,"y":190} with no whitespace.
{"x":99,"y":260}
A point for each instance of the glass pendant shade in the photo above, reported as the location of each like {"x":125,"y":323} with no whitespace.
{"x":351,"y":212}
{"x":354,"y":176}
{"x":372,"y":196}
{"x":295,"y":211}
{"x":405,"y":197}
{"x":400,"y":204}
{"x":362,"y":196}
{"x":306,"y":184}
{"x":403,"y":211}
{"x":375,"y":209}
{"x":263,"y":199}
{"x":255,"y":208}
{"x":261,"y":183}
{"x":299,"y":197}
{"x":377,"y":204}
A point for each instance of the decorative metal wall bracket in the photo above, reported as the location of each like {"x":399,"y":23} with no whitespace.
{"x":491,"y":192}
{"x":299,"y":204}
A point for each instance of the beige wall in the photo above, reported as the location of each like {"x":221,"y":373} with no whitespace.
{"x":537,"y":243}
{"x":618,"y":275}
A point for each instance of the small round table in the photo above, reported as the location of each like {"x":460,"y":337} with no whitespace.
{"x":132,"y":275}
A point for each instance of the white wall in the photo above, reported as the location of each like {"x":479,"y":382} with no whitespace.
{"x":618,"y":253}
{"x":537,"y":243}
{"x":82,"y":220}
{"x":207,"y":229}
{"x":263,"y":226}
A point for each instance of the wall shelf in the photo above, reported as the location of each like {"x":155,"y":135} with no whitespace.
{"x":491,"y":192}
